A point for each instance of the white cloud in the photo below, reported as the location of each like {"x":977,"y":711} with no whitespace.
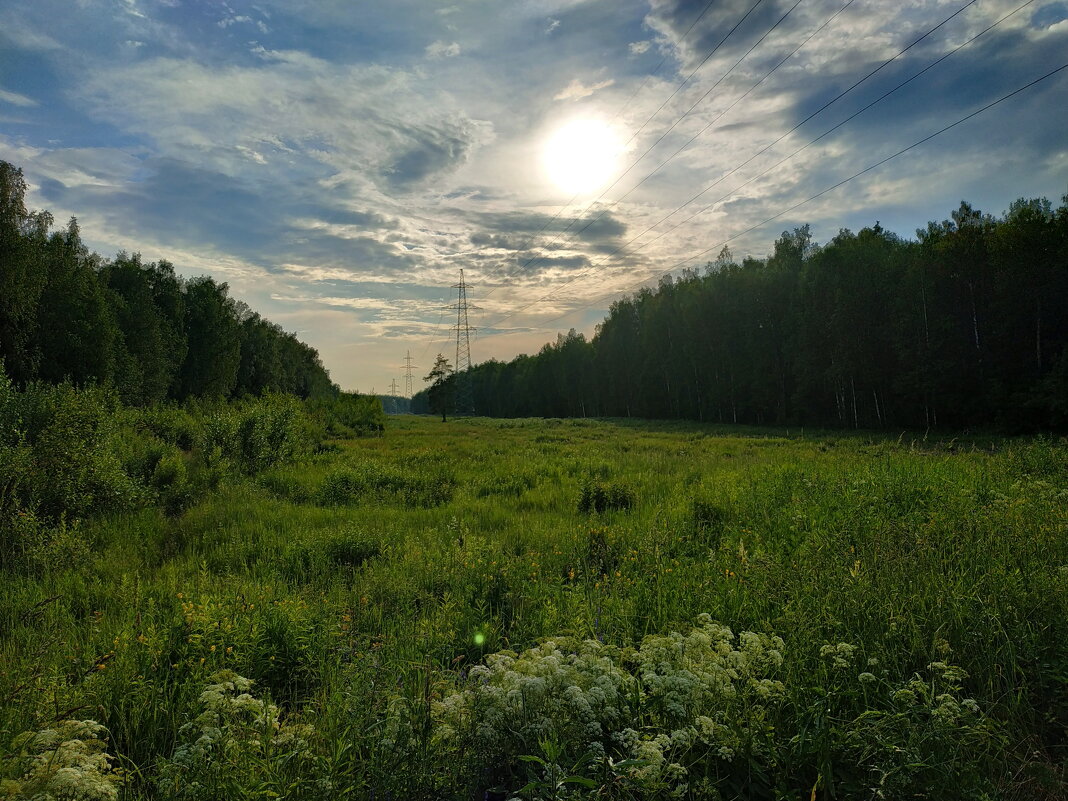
{"x":228,"y":21}
{"x":384,"y":125}
{"x":637,"y":48}
{"x":441,"y":49}
{"x":576,"y":90}
{"x":553,"y":25}
{"x":15,"y":99}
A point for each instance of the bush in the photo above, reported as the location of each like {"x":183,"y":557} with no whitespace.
{"x":64,"y":463}
{"x":600,"y":495}
{"x":256,"y":434}
{"x":172,"y":424}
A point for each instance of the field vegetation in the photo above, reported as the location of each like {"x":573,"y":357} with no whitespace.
{"x":262,"y":601}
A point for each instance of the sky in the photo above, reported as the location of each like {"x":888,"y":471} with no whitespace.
{"x":338,"y":163}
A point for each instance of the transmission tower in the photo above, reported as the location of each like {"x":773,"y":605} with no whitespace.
{"x":393,"y":387}
{"x":408,"y":367}
{"x":462,"y":365}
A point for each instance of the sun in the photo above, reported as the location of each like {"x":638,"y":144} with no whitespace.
{"x":582,"y":156}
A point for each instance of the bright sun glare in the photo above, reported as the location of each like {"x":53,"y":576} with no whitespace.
{"x":582,"y":155}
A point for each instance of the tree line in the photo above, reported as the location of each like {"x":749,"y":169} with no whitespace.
{"x":965,"y":325}
{"x":68,"y":314}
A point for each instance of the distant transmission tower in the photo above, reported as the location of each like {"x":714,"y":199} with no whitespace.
{"x":408,"y":367}
{"x":393,"y":387}
{"x":464,"y":396}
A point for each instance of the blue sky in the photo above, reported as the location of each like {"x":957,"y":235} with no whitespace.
{"x":338,"y":163}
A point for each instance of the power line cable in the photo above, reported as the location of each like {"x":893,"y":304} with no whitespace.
{"x":663,"y":136}
{"x":751,"y":158}
{"x":623,"y":108}
{"x":823,"y":192}
{"x":651,"y":117}
{"x":823,"y":135}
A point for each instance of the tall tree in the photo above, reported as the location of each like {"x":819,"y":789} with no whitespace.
{"x":214,"y":337}
{"x":440,"y":391}
{"x":23,"y":239}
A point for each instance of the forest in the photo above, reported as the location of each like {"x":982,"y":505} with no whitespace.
{"x":68,"y":314}
{"x":964,"y":326}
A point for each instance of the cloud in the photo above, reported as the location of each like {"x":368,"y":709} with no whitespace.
{"x":16,"y":99}
{"x":441,"y":49}
{"x":576,"y":90}
{"x":321,"y":118}
{"x":1050,"y":15}
{"x":226,"y":22}
{"x":553,"y":25}
{"x":637,"y":48}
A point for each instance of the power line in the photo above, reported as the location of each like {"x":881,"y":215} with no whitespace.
{"x":760,"y":152}
{"x":693,"y":138}
{"x":823,"y":192}
{"x":651,"y":117}
{"x":408,"y":367}
{"x":462,"y":365}
{"x":671,"y":128}
{"x":823,"y":135}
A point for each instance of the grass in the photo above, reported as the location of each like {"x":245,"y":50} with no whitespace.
{"x":357,"y":587}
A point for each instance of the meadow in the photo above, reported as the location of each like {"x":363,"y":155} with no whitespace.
{"x":547,"y":609}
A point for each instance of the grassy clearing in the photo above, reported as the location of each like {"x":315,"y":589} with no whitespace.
{"x":918,"y":589}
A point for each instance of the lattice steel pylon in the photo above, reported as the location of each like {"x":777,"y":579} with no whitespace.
{"x":464,"y":398}
{"x":393,"y":387}
{"x":408,"y":367}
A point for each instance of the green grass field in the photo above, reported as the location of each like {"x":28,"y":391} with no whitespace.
{"x":907,"y":602}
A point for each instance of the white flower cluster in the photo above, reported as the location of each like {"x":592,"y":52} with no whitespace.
{"x":684,"y":675}
{"x":232,"y":724}
{"x":66,"y":762}
{"x":939,"y":696}
{"x":706,"y":690}
{"x":840,"y":656}
{"x":571,"y":691}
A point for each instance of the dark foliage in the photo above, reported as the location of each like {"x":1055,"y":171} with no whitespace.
{"x":68,"y":315}
{"x":965,"y":326}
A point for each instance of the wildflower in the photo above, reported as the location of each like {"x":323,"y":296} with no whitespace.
{"x":867,"y":678}
{"x":68,"y":760}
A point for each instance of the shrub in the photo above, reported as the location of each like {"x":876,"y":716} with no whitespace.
{"x":64,"y":463}
{"x":172,"y":424}
{"x":255,"y":434}
{"x":601,"y":495}
{"x":270,"y":430}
